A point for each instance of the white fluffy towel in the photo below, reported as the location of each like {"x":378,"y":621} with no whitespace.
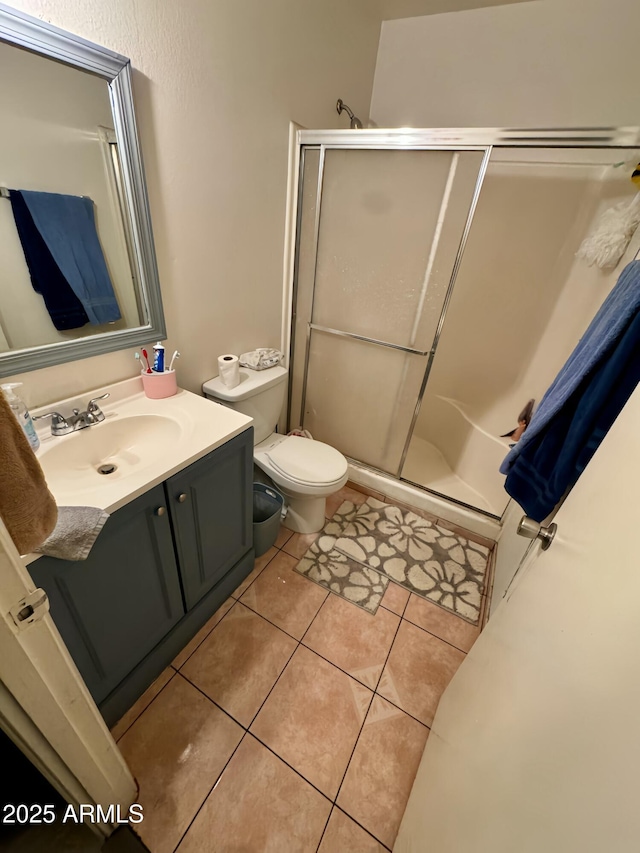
{"x":607,"y":244}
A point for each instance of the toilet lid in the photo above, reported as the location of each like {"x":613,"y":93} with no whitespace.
{"x":307,"y":461}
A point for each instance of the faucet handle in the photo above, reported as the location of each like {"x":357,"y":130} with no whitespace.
{"x":94,"y":409}
{"x":59,"y":424}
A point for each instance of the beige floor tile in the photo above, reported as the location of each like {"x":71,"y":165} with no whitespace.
{"x":203,"y":633}
{"x":418,"y":669}
{"x":298,"y":545}
{"x":259,"y":806}
{"x":239,"y":662}
{"x":312,"y":719}
{"x":260,"y":563}
{"x":284,"y":534}
{"x":284,"y":597}
{"x":395,"y":598}
{"x":441,"y":622}
{"x":342,"y":835}
{"x":381,"y":772}
{"x":176,"y":750}
{"x":345,"y":494}
{"x":143,"y":702}
{"x":356,"y":641}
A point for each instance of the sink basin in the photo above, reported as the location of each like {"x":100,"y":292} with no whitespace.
{"x":141,"y":443}
{"x":107,"y":451}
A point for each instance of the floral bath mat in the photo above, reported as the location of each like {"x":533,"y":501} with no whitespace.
{"x":430,"y":561}
{"x":362,"y":548}
{"x":337,"y":572}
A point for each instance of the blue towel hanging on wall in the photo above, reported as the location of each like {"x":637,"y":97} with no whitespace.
{"x":64,"y":307}
{"x":67,"y":225}
{"x":581,"y":405}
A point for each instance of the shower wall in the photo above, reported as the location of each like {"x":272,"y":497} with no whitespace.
{"x":585,"y":288}
{"x":521,"y":301}
{"x":525,"y":232}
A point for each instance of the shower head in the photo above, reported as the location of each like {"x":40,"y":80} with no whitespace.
{"x":355,"y":123}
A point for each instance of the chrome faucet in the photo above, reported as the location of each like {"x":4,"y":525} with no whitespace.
{"x":78,"y":420}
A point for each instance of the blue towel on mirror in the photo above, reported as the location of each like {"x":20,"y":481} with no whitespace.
{"x":67,"y":225}
{"x":64,"y":307}
{"x":581,"y":405}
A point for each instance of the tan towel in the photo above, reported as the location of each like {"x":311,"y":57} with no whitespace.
{"x":27,"y":506}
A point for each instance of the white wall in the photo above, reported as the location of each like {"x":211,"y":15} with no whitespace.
{"x":50,"y":142}
{"x":215,"y":85}
{"x":549,"y":63}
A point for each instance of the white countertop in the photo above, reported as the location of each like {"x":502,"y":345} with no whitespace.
{"x":199,"y":426}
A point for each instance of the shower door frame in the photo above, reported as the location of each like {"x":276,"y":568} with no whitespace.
{"x":414,"y":139}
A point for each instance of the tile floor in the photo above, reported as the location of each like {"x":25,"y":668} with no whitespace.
{"x":294,"y":721}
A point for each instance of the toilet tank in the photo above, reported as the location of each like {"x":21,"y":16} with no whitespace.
{"x":260,"y":395}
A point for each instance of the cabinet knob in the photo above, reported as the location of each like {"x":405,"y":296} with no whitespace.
{"x":160,"y":510}
{"x":182,"y":498}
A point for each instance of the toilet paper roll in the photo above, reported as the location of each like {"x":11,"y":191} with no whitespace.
{"x":229,"y":370}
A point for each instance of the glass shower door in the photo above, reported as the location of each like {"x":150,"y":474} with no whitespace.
{"x":380,"y":232}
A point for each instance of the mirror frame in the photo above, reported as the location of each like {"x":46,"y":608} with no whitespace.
{"x":24,"y":31}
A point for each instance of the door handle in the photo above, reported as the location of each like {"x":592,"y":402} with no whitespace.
{"x":182,"y":498}
{"x":160,"y":510}
{"x":30,"y":609}
{"x":530,"y":529}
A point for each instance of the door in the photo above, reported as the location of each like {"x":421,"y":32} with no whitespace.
{"x":535,"y":745}
{"x":211,"y":510}
{"x":45,"y":706}
{"x":115,"y":606}
{"x":380,"y":236}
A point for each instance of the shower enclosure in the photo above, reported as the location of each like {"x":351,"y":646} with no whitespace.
{"x":436,"y":290}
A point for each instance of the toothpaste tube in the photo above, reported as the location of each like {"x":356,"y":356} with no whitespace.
{"x":158,"y":361}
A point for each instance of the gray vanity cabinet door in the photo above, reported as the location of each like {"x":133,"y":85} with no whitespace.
{"x":211,"y":509}
{"x":117,"y":605}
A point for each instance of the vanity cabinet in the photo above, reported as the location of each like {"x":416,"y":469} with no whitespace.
{"x":159,"y":569}
{"x":210,"y":505}
{"x":114,"y":607}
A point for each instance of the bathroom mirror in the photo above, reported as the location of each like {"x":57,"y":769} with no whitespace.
{"x":79,"y":275}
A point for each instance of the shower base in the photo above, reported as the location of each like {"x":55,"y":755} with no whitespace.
{"x":427,"y":467}
{"x":412,"y":495}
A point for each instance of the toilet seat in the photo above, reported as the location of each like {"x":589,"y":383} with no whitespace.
{"x":307,"y":462}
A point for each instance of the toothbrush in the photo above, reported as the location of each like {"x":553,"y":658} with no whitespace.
{"x":173,"y":358}
{"x":146,"y":358}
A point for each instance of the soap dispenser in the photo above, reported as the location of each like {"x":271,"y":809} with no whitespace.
{"x":21,"y":412}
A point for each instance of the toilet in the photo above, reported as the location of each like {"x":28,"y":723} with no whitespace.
{"x":304,"y":470}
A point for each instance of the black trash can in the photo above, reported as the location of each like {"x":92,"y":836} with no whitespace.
{"x":267,"y":509}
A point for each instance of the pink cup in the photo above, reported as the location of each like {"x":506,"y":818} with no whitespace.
{"x":159,"y":385}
